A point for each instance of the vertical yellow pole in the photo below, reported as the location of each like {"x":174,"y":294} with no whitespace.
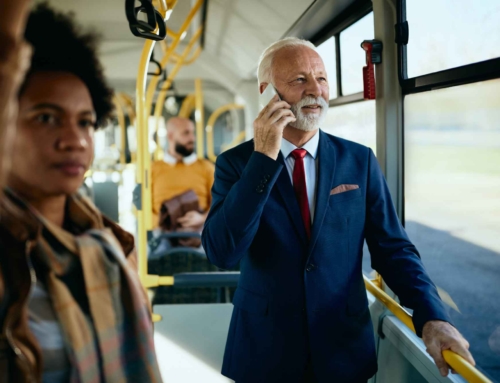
{"x":200,"y":118}
{"x":120,"y":115}
{"x":187,"y":106}
{"x":143,"y":160}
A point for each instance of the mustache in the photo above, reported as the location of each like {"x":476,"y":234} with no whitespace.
{"x":309,"y":100}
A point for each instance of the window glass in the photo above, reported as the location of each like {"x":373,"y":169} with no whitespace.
{"x":449,"y":33}
{"x":354,"y":122}
{"x":452,"y":205}
{"x":328,"y":54}
{"x":352,"y":56}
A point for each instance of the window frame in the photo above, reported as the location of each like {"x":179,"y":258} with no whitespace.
{"x":465,"y":74}
{"x":352,"y":14}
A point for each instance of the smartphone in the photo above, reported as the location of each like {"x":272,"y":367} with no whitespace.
{"x":267,"y":95}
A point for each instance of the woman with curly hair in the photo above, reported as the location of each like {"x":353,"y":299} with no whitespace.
{"x":72,"y":308}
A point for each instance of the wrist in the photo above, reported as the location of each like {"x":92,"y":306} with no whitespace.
{"x":271,"y":154}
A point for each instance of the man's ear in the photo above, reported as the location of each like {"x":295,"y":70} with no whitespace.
{"x":262,"y":87}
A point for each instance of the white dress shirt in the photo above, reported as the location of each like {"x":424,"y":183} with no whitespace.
{"x":310,"y":166}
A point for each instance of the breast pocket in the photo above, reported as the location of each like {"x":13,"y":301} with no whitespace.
{"x":349,"y":203}
{"x":345,"y":196}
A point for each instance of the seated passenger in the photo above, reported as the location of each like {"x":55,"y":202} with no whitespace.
{"x":72,"y":307}
{"x":181,"y":171}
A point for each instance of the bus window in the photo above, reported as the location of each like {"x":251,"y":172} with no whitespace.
{"x":450,"y":33}
{"x":351,"y":61}
{"x":327,"y":51}
{"x":452,"y":205}
{"x":354,"y":122}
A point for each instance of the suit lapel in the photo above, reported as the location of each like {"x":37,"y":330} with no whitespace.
{"x":326,"y":170}
{"x":284,"y":185}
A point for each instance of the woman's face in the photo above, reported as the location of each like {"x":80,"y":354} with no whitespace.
{"x":54,"y":142}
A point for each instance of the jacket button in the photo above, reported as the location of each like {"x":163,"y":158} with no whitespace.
{"x":310,"y":267}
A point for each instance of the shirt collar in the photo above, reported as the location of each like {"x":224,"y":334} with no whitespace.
{"x":189,"y":160}
{"x":311,"y":146}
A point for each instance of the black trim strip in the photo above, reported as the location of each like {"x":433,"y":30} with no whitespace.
{"x":482,"y":71}
{"x":402,"y":67}
{"x":204,"y":12}
{"x":338,"y":65}
{"x":475,"y":72}
{"x":353,"y":13}
{"x":344,"y":100}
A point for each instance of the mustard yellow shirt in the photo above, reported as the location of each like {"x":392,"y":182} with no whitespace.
{"x":170,"y":178}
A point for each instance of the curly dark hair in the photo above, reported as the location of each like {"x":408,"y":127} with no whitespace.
{"x":60,"y":45}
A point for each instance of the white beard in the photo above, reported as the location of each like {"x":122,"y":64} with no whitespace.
{"x":309,"y":122}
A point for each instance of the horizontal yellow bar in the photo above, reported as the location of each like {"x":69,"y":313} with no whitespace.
{"x":150,"y":280}
{"x":455,"y":361}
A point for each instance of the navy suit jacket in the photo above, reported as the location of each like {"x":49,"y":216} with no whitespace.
{"x":300,"y":298}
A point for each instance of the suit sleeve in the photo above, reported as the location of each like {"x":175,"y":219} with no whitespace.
{"x":237,"y":205}
{"x":395,"y":257}
{"x":210,"y":181}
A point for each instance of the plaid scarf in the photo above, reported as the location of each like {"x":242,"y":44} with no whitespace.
{"x":108,"y":330}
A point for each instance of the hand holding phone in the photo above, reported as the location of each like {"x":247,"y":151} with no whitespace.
{"x":268,"y":126}
{"x":266,"y":96}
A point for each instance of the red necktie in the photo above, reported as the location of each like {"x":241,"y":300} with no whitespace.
{"x":299,"y":185}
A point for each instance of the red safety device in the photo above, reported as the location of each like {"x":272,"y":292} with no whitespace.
{"x":300,"y":188}
{"x":373,"y":49}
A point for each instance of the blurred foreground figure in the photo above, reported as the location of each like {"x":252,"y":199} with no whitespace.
{"x":72,"y":308}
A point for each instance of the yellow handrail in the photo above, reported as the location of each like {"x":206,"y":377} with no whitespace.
{"x":210,"y":127}
{"x":187,"y":106}
{"x":143,"y":161}
{"x":459,"y":364}
{"x":163,"y":92}
{"x":143,"y":176}
{"x":176,"y":57}
{"x":154,"y":81}
{"x":120,"y":115}
{"x":199,"y":117}
{"x":238,"y":140}
{"x":129,"y":105}
{"x":162,"y":5}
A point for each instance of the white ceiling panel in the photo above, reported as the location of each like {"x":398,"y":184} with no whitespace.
{"x":237,"y":31}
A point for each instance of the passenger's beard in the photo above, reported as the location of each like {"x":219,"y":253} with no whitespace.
{"x":309,"y":122}
{"x":183,"y":150}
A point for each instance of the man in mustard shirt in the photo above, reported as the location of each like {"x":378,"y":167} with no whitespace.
{"x":181,"y":170}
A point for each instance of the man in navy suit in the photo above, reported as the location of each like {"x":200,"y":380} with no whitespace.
{"x":294,"y":206}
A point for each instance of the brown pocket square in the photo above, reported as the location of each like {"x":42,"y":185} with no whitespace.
{"x":343,"y":188}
